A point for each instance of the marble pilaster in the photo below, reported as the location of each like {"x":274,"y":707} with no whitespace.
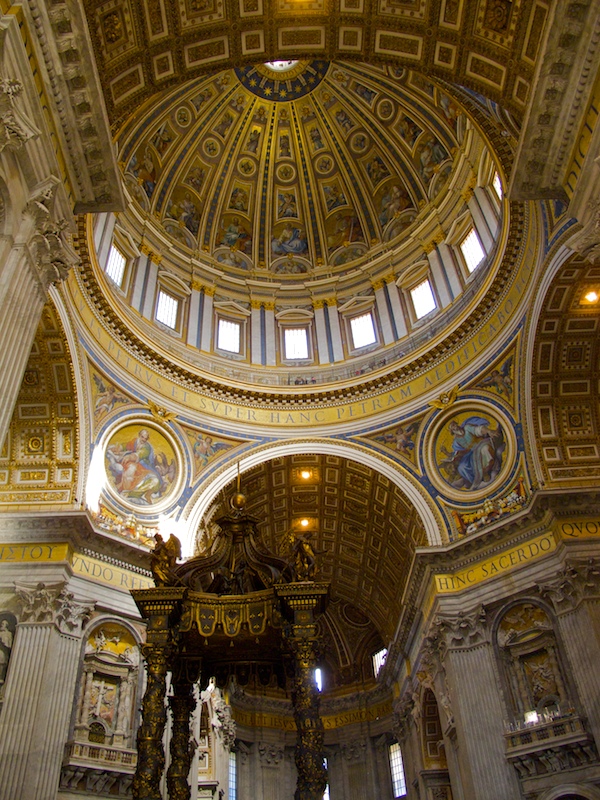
{"x":40,"y":687}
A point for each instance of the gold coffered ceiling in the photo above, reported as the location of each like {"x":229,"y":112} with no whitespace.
{"x":489,"y":45}
{"x":565,"y":379}
{"x":364,"y":528}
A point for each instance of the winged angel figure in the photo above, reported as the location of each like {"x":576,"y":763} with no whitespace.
{"x":107,"y":397}
{"x":164,"y":558}
{"x":500,"y":379}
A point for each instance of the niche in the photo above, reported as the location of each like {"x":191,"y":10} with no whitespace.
{"x":109,"y":684}
{"x":531,"y":659}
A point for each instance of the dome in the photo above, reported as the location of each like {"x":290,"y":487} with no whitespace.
{"x":291,"y":171}
{"x":281,"y":188}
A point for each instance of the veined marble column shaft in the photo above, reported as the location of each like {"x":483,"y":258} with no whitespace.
{"x":479,"y":721}
{"x":35,"y":718}
{"x":21,"y":302}
{"x":580,"y":630}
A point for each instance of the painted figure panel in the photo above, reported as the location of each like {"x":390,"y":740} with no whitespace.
{"x":469,"y":451}
{"x":141,"y":465}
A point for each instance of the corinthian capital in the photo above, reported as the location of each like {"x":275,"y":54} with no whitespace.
{"x":579,"y":579}
{"x":15,"y":129}
{"x":53,"y":252}
{"x":464,"y":629}
{"x":43,"y":604}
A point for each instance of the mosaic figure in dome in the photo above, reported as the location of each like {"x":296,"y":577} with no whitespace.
{"x":376,"y":170}
{"x":408,"y":130}
{"x":195,"y":177}
{"x":432,"y":153}
{"x":334,"y":196}
{"x":284,"y":145}
{"x":235,"y":235}
{"x":450,"y":109}
{"x":106,"y":398}
{"x":239,"y":199}
{"x":253,"y":140}
{"x":144,"y":171}
{"x":402,"y":439}
{"x":201,"y":98}
{"x":366,"y":94}
{"x":205,"y":447}
{"x":345,"y":229}
{"x":349,"y":254}
{"x":344,"y":120}
{"x":500,"y":379}
{"x":238,"y":103}
{"x":162,"y":139}
{"x":475,"y":456}
{"x":290,"y":267}
{"x":394,"y":200}
{"x":222,"y":127}
{"x":287,"y":205}
{"x":315,"y":137}
{"x":231,"y":259}
{"x":290,"y":240}
{"x":186,"y":212}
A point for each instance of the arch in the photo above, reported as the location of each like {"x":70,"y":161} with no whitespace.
{"x":84,"y":434}
{"x":113,"y":619}
{"x":571,"y":791}
{"x":562,"y":254}
{"x":432,"y":522}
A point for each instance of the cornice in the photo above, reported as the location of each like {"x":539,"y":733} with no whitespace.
{"x":74,"y":91}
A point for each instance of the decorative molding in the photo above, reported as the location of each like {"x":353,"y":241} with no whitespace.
{"x":72,"y":90}
{"x":271,"y":754}
{"x":402,"y":717}
{"x":15,"y":129}
{"x":354,"y":751}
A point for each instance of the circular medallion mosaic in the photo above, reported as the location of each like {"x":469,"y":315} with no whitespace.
{"x":471,"y":449}
{"x":143,"y":465}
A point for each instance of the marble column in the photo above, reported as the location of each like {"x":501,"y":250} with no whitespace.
{"x":393,"y":294}
{"x":38,"y":256}
{"x":39,"y":694}
{"x":384,"y":312}
{"x":104,"y":228}
{"x":270,"y":334}
{"x":481,"y":223}
{"x":472,"y":680}
{"x":148,"y":299}
{"x":256,"y":333}
{"x":321,"y":331}
{"x":575,"y":595}
{"x":337,"y":345}
{"x":193,"y":327}
{"x":444,"y":273}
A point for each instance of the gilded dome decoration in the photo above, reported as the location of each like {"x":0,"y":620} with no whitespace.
{"x":319,"y":165}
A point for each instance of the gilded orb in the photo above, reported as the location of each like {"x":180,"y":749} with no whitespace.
{"x":238,"y":501}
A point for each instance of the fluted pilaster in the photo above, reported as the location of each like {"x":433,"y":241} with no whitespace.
{"x":479,"y":720}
